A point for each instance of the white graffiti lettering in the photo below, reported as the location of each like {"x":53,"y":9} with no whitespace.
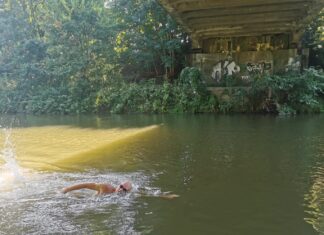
{"x":293,"y":64}
{"x":224,"y":68}
{"x":258,"y":68}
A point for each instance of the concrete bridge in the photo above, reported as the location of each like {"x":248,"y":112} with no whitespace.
{"x":262,"y":35}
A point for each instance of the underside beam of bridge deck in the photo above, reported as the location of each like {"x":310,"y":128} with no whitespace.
{"x":204,"y":19}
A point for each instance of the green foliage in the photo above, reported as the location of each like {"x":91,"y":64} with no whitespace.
{"x":78,"y":56}
{"x":192,"y":95}
{"x":55,"y":56}
{"x":287,"y":94}
{"x":188,"y":95}
{"x":313,"y":38}
{"x":149,"y":42}
{"x":314,"y":34}
{"x":233,"y":81}
{"x":234,"y":100}
{"x":286,"y":110}
{"x":191,"y":78}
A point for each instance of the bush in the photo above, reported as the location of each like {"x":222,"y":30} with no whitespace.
{"x":287,"y":94}
{"x":187,"y":95}
{"x":284,"y":95}
{"x":299,"y":93}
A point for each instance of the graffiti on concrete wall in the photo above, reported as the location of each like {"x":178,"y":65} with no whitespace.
{"x":294,"y":64}
{"x":229,"y":67}
{"x":258,"y":68}
{"x":224,"y":68}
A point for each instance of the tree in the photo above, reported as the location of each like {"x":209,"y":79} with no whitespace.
{"x":314,"y":38}
{"x":149,"y":41}
{"x":71,"y":48}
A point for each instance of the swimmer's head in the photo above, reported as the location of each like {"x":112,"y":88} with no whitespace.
{"x":124,"y":187}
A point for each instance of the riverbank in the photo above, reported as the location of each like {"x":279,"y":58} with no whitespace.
{"x":284,"y":95}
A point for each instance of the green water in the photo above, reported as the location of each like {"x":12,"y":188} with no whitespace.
{"x":235,"y":175}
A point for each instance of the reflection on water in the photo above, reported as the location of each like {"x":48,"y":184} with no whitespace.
{"x":315,"y":198}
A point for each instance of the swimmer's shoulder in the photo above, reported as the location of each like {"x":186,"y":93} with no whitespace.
{"x":105,"y":188}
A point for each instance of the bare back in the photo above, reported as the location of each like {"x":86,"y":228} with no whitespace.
{"x":100,"y":188}
{"x":105,"y":189}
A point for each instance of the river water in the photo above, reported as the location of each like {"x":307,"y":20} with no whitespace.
{"x":234,"y":174}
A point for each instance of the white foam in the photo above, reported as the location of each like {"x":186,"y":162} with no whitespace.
{"x":10,"y":172}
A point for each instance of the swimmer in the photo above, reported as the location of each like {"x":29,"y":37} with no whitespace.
{"x":103,"y":189}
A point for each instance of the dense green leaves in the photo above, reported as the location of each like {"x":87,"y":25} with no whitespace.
{"x":56,"y":55}
{"x":284,"y":95}
{"x":150,"y":97}
{"x":314,"y":39}
{"x":77,"y":56}
{"x":314,"y":34}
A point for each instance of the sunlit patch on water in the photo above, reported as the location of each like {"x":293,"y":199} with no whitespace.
{"x":60,"y":148}
{"x":32,"y":202}
{"x":315,"y":200}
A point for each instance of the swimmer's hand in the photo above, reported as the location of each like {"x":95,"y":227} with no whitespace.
{"x":64,"y":190}
{"x":163,"y":196}
{"x":170,"y":196}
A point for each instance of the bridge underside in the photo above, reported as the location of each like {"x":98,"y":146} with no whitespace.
{"x":245,"y":36}
{"x":205,"y":19}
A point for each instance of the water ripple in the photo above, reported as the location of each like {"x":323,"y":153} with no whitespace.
{"x":315,"y":199}
{"x":38,"y":206}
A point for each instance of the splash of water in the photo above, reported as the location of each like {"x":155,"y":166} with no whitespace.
{"x":10,"y":172}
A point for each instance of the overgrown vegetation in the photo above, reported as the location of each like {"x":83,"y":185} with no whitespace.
{"x":284,"y":95}
{"x":189,"y":94}
{"x":86,"y":56}
{"x":314,"y":39}
{"x":56,"y":56}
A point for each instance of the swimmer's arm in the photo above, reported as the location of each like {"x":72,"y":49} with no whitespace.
{"x":169,"y":196}
{"x":91,"y":186}
{"x":163,"y":196}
